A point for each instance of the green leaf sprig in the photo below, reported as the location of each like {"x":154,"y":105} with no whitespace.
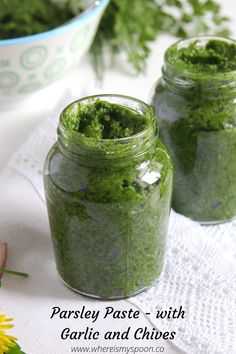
{"x":131,"y":25}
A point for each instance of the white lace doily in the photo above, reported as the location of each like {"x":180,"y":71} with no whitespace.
{"x":199,"y":272}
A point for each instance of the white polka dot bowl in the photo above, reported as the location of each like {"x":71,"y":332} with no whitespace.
{"x":29,"y":64}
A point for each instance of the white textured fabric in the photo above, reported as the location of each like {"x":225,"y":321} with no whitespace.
{"x":199,"y":272}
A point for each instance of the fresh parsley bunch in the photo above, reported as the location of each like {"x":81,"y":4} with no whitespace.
{"x":130,"y":25}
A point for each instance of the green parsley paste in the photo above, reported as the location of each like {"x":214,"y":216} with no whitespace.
{"x":22,"y":18}
{"x":108,"y":183}
{"x":195,"y":102}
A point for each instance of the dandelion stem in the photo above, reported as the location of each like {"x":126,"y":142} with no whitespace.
{"x":13,"y":272}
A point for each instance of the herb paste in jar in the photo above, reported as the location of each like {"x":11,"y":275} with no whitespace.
{"x":195,"y":102}
{"x":108,"y":186}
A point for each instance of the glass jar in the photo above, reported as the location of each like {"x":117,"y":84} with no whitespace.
{"x":195,"y":103}
{"x":108,"y":203}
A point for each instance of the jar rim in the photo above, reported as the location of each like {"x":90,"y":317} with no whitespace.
{"x":80,"y":145}
{"x":105,"y":97}
{"x":183,"y":43}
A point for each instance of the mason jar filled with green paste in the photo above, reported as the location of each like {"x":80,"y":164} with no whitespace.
{"x":195,"y":101}
{"x":108,"y":185}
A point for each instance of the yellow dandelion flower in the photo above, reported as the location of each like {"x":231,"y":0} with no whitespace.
{"x":6,"y":341}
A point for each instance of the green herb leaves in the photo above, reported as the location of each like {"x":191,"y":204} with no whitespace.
{"x":130,"y":26}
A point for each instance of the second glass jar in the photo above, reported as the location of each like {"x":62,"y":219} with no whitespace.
{"x":195,"y":101}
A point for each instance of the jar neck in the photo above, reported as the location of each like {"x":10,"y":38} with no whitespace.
{"x":188,"y":82}
{"x":103,"y":152}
